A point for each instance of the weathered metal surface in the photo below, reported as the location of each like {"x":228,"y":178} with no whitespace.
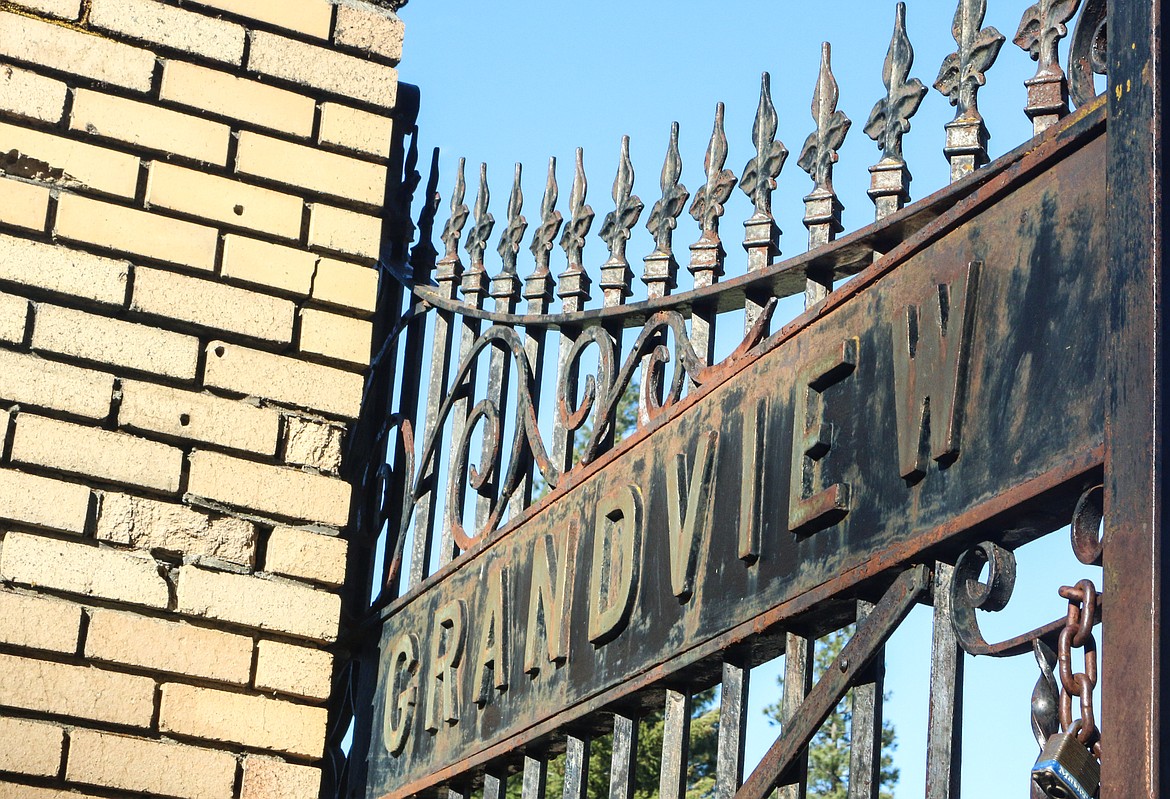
{"x":653,"y":567}
{"x":1135,"y":690}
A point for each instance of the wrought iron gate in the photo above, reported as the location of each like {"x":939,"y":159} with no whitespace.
{"x":972,"y":371}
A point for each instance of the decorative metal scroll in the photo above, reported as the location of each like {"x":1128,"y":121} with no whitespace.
{"x":504,"y":450}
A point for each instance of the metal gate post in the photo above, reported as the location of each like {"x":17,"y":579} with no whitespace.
{"x":1134,"y":764}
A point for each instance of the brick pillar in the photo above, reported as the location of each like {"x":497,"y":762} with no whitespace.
{"x":190,"y":203}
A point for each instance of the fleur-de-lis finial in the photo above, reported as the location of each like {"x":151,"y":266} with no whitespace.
{"x":820,"y":148}
{"x":550,"y":222}
{"x":517,"y":224}
{"x":580,"y":216}
{"x":453,"y":230}
{"x":615,"y":229}
{"x":481,"y":230}
{"x":759,"y":176}
{"x":664,"y":215}
{"x":1041,"y":29}
{"x":422,"y":257}
{"x":962,"y":71}
{"x":890,"y":118}
{"x":708,"y":203}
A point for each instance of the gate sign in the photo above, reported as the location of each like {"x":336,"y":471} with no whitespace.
{"x":954,"y":381}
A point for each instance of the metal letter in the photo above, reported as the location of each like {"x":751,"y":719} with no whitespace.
{"x":689,"y":513}
{"x":755,"y":426}
{"x":810,"y":509}
{"x":930,"y":375}
{"x":403,"y":695}
{"x":550,"y":601}
{"x":447,"y":639}
{"x":491,"y":662}
{"x":617,"y":551}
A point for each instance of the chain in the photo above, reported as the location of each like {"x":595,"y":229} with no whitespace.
{"x":1078,"y":633}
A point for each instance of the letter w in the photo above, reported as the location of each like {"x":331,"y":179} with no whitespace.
{"x":930,"y":375}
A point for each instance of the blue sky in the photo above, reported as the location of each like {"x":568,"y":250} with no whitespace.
{"x":522,"y":80}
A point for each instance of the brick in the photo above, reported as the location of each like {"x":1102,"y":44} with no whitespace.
{"x":35,"y":622}
{"x":286,"y":607}
{"x":114,"y":342}
{"x":32,"y":40}
{"x":14,"y":318}
{"x":267,"y":778}
{"x":356,"y":130}
{"x":309,"y":443}
{"x":62,"y":9}
{"x":255,"y":721}
{"x":260,"y":263}
{"x":84,"y":164}
{"x":339,"y":337}
{"x":168,"y":646}
{"x":148,"y":126}
{"x":310,"y":556}
{"x":42,"y":502}
{"x":311,"y":17}
{"x":231,"y":202}
{"x":322,"y":68}
{"x":167,"y":527}
{"x":284,"y":380}
{"x":310,"y":168}
{"x":293,"y":670}
{"x":198,"y":417}
{"x":77,"y":691}
{"x":31,"y":96}
{"x":78,"y":568}
{"x":115,"y":227}
{"x":288,"y":493}
{"x":166,"y":26}
{"x":342,"y":231}
{"x":102,"y":454}
{"x":61,"y":270}
{"x":369,"y":29}
{"x":23,"y":204}
{"x":155,"y":767}
{"x":32,"y":381}
{"x":346,"y":285}
{"x":13,"y":791}
{"x":31,"y":747}
{"x":237,"y":98}
{"x":212,"y":305}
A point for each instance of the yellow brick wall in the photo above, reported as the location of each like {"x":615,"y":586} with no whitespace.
{"x":190,"y":202}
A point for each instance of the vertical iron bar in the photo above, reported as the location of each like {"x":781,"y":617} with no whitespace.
{"x":944,"y":734}
{"x":576,"y":767}
{"x":798,"y":660}
{"x":761,"y":233}
{"x":573,"y":289}
{"x":475,"y":290}
{"x":494,"y":786}
{"x":623,"y":766}
{"x":676,"y":740}
{"x":707,"y":254}
{"x":535,"y":777}
{"x":1134,"y":699}
{"x":865,"y":745}
{"x":733,"y":699}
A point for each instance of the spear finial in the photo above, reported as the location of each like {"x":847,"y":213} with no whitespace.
{"x":453,"y":230}
{"x":574,"y":281}
{"x":960,"y":77}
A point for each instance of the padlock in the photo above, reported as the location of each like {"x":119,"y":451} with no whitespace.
{"x":1066,"y":769}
